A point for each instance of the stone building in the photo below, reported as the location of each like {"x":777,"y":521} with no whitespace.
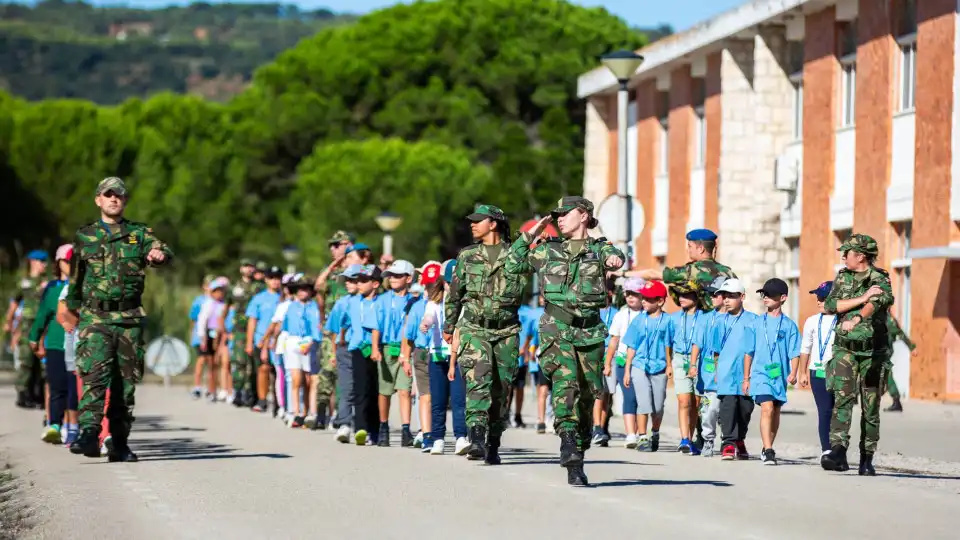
{"x":785,"y":125}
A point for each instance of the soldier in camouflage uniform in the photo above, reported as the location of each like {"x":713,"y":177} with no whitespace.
{"x":895,"y":331}
{"x":488,"y":293}
{"x":861,"y":297}
{"x":110,"y":256}
{"x":243,"y":366}
{"x":330,"y":288}
{"x":30,"y":374}
{"x":697,"y":274}
{"x":572,"y":272}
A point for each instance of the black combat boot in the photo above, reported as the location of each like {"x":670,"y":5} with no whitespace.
{"x":23,"y":401}
{"x":866,"y":464}
{"x":88,"y":444}
{"x":575,"y":475}
{"x":896,"y":406}
{"x":836,"y":460}
{"x":493,"y":450}
{"x":569,"y":454}
{"x":120,"y":451}
{"x":238,"y":399}
{"x":478,"y":443}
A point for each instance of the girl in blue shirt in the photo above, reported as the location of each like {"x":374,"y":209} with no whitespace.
{"x":302,"y":325}
{"x":773,"y":365}
{"x":685,"y":325}
{"x":649,"y":342}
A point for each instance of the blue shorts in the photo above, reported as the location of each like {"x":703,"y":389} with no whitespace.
{"x":764,"y":398}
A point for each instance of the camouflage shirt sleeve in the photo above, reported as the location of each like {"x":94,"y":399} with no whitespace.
{"x":518,"y":258}
{"x":608,"y":250}
{"x":830,"y":303}
{"x":454,"y":301}
{"x":885,"y":299}
{"x":896,"y":332}
{"x":77,"y":272}
{"x":152,"y":242}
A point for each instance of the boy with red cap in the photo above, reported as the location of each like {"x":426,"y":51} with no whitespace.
{"x":414,"y":348}
{"x":649,"y":340}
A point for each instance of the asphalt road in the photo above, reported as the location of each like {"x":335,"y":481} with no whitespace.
{"x":214,"y":471}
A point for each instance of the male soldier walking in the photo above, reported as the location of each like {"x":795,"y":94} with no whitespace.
{"x":489,"y":295}
{"x":861,"y":297}
{"x":572,"y":273}
{"x":331,"y":288}
{"x":895,"y":332}
{"x":699,"y":273}
{"x":110,"y":256}
{"x":29,"y":381}
{"x":242,"y":364}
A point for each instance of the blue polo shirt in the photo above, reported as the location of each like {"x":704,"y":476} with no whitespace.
{"x":777,"y":342}
{"x":607,"y":314}
{"x":302,"y":320}
{"x":685,"y":328}
{"x":262,"y":307}
{"x":194,"y":315}
{"x":706,"y":365}
{"x":394,"y":310}
{"x":338,"y":314}
{"x":421,"y":340}
{"x":649,"y":337}
{"x":733,"y":337}
{"x":365,"y":315}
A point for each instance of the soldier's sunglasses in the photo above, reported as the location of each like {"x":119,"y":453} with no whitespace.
{"x":110,"y":194}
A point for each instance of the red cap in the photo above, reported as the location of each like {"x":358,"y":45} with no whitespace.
{"x":430,"y":273}
{"x":653,"y":289}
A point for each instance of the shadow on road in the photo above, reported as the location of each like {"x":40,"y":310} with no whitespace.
{"x":157,"y":424}
{"x":555,"y":461}
{"x":638,"y":482}
{"x":917,"y":476}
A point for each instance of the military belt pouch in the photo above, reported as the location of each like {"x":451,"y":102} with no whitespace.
{"x":494,"y":324}
{"x":112,"y":305}
{"x":853,"y":346}
{"x":570,"y":320}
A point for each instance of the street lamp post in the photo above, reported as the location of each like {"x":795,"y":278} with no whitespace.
{"x":388,"y":222}
{"x":623,"y":64}
{"x":291,"y":254}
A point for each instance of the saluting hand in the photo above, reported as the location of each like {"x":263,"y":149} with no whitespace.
{"x":537,"y":230}
{"x":156,"y":256}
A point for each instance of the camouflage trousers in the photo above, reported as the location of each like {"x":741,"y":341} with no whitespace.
{"x":488,"y":367}
{"x":576,"y":373}
{"x":30,"y":373}
{"x":109,"y":356}
{"x":243,"y":367}
{"x":892,"y":386}
{"x":327,"y":376}
{"x":848,"y":377}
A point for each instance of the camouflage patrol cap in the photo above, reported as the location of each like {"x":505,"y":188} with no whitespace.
{"x":246,"y":262}
{"x":568,"y":204}
{"x":342,"y":236}
{"x":683,"y":288}
{"x":861,"y":243}
{"x":486,"y":211}
{"x":112,"y":183}
{"x":300,"y":281}
{"x":261,"y":266}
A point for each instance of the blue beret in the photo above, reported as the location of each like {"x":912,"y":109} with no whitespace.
{"x":700,"y":235}
{"x":358,"y":247}
{"x":38,"y":255}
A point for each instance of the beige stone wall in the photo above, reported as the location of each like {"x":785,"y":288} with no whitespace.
{"x":596,"y":154}
{"x":756,"y":114}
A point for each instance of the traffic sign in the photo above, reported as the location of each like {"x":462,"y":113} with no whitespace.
{"x":611,"y":215}
{"x":167,"y":357}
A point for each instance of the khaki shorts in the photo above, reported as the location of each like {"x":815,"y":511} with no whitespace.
{"x":392,"y":377}
{"x":421,"y":371}
{"x":682,"y":383}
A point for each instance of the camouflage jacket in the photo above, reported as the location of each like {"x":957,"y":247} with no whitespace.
{"x":573,"y":285}
{"x":697,"y":275}
{"x":332,"y":291}
{"x":108,"y":271}
{"x":870,"y":334}
{"x":487,"y":292}
{"x":239,"y":298}
{"x":896,"y":332}
{"x":30,"y":295}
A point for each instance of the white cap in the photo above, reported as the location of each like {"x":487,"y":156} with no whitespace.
{"x":400,"y":268}
{"x":219,"y":283}
{"x":732,"y":285}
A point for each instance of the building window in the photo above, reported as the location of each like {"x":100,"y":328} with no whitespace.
{"x":848,"y":90}
{"x":797,"y":80}
{"x":793,"y":278}
{"x":907,"y":41}
{"x":663,"y":113}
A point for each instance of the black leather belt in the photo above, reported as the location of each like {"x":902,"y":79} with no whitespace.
{"x":494,"y":324}
{"x":571,"y":320}
{"x":854,"y":346}
{"x":111,"y":305}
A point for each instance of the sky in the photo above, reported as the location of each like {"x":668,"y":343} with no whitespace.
{"x":680,"y":14}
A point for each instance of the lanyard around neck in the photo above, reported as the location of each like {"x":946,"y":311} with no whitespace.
{"x":647,"y":337}
{"x":729,"y":329}
{"x":775,"y":337}
{"x":822,"y":343}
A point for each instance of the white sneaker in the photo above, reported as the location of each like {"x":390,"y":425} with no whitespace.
{"x":437,"y":449}
{"x":281,"y":414}
{"x":418,"y":440}
{"x":343,"y":434}
{"x":310,"y":421}
{"x":631,"y":441}
{"x":462,"y":446}
{"x":222,"y":395}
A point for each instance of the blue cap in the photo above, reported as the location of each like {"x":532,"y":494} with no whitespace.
{"x":358,"y":247}
{"x":823,"y":290}
{"x":448,"y":267}
{"x":353,"y":271}
{"x":701,"y":235}
{"x":38,"y":255}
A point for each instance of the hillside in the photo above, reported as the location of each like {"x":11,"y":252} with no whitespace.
{"x":60,"y":49}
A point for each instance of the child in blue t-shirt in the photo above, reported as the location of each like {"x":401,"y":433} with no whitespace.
{"x":734,"y":342}
{"x":649,"y":340}
{"x":686,"y":324}
{"x":773,"y":365}
{"x":703,"y":368}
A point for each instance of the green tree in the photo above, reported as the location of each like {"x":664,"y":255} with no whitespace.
{"x":346,"y":185}
{"x":497,"y":77}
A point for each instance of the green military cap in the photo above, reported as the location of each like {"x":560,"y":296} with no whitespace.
{"x":342,"y":236}
{"x":246,"y":262}
{"x":300,"y":281}
{"x":861,"y":243}
{"x":114,"y":184}
{"x":261,"y":266}
{"x":486,"y":211}
{"x":574,"y":202}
